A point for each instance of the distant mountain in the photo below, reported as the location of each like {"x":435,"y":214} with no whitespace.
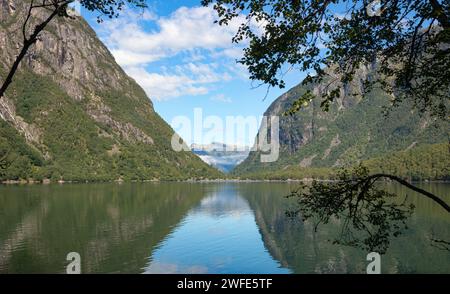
{"x":353,"y":130}
{"x":221,"y":156}
{"x":73,"y":114}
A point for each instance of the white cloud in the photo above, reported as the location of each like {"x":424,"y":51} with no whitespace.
{"x":209,"y":55}
{"x":163,"y":86}
{"x":129,"y":58}
{"x":185,"y":29}
{"x":191,"y":80}
{"x":235,"y":53}
{"x":148,"y":15}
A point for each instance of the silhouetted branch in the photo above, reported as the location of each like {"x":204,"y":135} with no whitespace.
{"x":439,"y":13}
{"x":369,"y":220}
{"x":107,"y":8}
{"x":433,"y":197}
{"x":440,"y":244}
{"x":58,"y":7}
{"x":405,"y":40}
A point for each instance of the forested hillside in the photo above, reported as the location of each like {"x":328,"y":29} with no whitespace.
{"x":72,"y":113}
{"x":357,"y":128}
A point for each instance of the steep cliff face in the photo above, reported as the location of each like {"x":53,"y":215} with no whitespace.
{"x":72,"y":113}
{"x":353,"y":130}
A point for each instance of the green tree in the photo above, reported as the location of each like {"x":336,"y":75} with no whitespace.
{"x":33,"y":26}
{"x":369,"y":215}
{"x":4,"y":153}
{"x":407,"y":39}
{"x":406,"y":42}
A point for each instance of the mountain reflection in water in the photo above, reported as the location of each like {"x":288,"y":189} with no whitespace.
{"x":195,"y":228}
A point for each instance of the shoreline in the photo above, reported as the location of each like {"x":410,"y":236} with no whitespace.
{"x":193,"y":181}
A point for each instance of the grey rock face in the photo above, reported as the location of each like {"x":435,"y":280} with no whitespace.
{"x":70,"y":53}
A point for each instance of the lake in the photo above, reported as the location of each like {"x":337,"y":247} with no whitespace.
{"x":196,"y":228}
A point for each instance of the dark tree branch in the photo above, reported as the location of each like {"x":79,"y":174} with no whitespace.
{"x":399,"y":180}
{"x":29,"y":41}
{"x":369,"y":218}
{"x":108,"y":8}
{"x":394,"y":39}
{"x":439,"y":13}
{"x":440,"y":244}
{"x":25,"y":23}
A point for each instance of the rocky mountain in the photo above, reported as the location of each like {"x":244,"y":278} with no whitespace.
{"x":221,"y":156}
{"x":72,"y":113}
{"x":353,"y":130}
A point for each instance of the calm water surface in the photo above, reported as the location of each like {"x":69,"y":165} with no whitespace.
{"x":195,"y":228}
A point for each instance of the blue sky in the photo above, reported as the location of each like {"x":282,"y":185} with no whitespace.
{"x":184,"y":61}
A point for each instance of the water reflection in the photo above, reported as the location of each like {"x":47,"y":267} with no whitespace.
{"x":113,"y":227}
{"x":195,"y":228}
{"x":303,"y":250}
{"x":220,"y":235}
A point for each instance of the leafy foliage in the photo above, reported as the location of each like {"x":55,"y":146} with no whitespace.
{"x":422,"y":163}
{"x":353,"y":130}
{"x":427,"y":162}
{"x":408,"y":39}
{"x":79,"y":148}
{"x":368,"y":215}
{"x":110,"y":8}
{"x":33,"y":26}
{"x":69,"y":142}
